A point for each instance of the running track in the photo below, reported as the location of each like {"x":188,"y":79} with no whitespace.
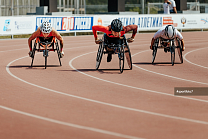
{"x":77,"y":102}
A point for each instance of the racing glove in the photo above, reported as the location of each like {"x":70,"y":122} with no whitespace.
{"x":129,"y":40}
{"x":30,"y":53}
{"x":62,"y":54}
{"x":98,"y":41}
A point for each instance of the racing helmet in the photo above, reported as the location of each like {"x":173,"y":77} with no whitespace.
{"x":169,"y":31}
{"x":116,"y":25}
{"x":46,"y":27}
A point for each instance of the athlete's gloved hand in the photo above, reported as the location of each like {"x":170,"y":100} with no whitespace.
{"x":129,"y":40}
{"x":30,"y":53}
{"x":98,"y":41}
{"x":151,"y":47}
{"x":62,"y":54}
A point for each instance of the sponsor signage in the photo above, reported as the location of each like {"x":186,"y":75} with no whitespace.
{"x":28,"y":24}
{"x":64,"y":24}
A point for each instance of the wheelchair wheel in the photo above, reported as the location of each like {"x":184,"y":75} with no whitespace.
{"x":99,"y":55}
{"x":179,"y":48}
{"x":58,"y":53}
{"x":121,"y":58}
{"x":172,"y":51}
{"x":154,"y":52}
{"x":128,"y":56}
{"x":33,"y":54}
{"x":46,"y":55}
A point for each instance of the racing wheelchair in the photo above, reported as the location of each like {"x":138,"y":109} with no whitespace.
{"x":121,"y":48}
{"x":168,"y":46}
{"x":41,"y":45}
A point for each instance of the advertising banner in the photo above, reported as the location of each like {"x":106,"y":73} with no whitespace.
{"x":5,"y":25}
{"x":23,"y":24}
{"x":154,"y":22}
{"x":64,"y":24}
{"x":17,"y":25}
{"x":68,"y":24}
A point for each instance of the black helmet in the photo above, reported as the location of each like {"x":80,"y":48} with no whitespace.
{"x":116,"y":25}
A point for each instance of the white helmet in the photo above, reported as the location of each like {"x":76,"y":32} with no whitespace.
{"x":46,"y":27}
{"x":169,"y":31}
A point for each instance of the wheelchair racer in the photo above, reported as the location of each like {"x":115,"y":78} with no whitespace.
{"x":45,"y":32}
{"x":113,"y":33}
{"x":168,"y":33}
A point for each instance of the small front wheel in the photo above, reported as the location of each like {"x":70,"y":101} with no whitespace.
{"x":172,"y":51}
{"x":45,"y":55}
{"x":121,"y":58}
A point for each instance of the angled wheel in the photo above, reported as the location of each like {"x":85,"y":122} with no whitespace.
{"x":128,"y":56}
{"x":179,"y":48}
{"x":172,"y":51}
{"x":154,"y":52}
{"x":99,"y":54}
{"x":58,"y":53}
{"x":33,"y":53}
{"x":121,"y":58}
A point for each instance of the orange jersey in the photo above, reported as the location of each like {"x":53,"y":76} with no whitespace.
{"x":107,"y":30}
{"x":38,"y":33}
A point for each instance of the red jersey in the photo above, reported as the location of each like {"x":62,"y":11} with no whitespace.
{"x":41,"y":34}
{"x":107,"y":30}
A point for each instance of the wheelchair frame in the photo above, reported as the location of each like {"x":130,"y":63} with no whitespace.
{"x":46,"y":49}
{"x":171,"y":49}
{"x":117,"y":49}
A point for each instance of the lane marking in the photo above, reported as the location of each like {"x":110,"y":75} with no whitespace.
{"x":104,"y":103}
{"x":13,"y":50}
{"x":165,"y":74}
{"x":70,"y":124}
{"x":70,"y":63}
{"x":184,"y":57}
{"x":143,"y":111}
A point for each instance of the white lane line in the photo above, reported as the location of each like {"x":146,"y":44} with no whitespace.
{"x":184,"y":57}
{"x":13,"y":50}
{"x":165,"y":74}
{"x":138,"y":110}
{"x":70,"y":124}
{"x":70,"y":63}
{"x":27,"y":48}
{"x":104,"y":103}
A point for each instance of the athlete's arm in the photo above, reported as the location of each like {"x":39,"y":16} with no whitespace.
{"x":152,"y":43}
{"x":130,"y":28}
{"x":182,"y":43}
{"x":58,"y":36}
{"x":180,"y":37}
{"x":32,"y":37}
{"x":99,"y":28}
{"x":157,"y":35}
